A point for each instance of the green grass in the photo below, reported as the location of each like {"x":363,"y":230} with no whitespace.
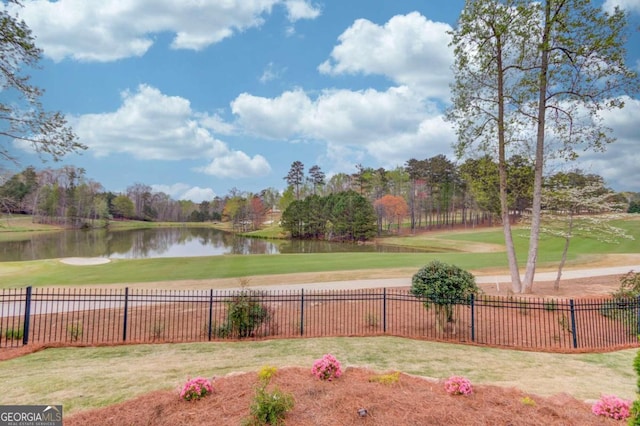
{"x":39,"y":273}
{"x":450,"y":246}
{"x":83,"y":378}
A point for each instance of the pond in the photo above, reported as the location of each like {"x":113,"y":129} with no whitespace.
{"x":163,"y":242}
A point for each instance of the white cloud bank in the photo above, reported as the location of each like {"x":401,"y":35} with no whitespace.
{"x":108,"y":30}
{"x":150,"y":125}
{"x":409,"y":49}
{"x":390,"y":126}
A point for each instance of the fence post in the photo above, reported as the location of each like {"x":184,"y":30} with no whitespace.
{"x":637,"y":315}
{"x":473,"y":317}
{"x":27,"y":316}
{"x":126,"y":314}
{"x":302,"y":312}
{"x":210,"y":313}
{"x":384,"y":309}
{"x":573,"y":323}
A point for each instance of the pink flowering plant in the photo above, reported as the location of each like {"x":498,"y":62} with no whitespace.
{"x":612,"y":406}
{"x":458,"y":385}
{"x":327,"y":368}
{"x":195,"y":389}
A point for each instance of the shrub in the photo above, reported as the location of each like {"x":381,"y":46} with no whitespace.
{"x":327,"y":368}
{"x":386,"y":379}
{"x":635,"y":408}
{"x":245,"y":314}
{"x":269,"y":407}
{"x":13,"y":333}
{"x":611,"y":406}
{"x":75,"y":331}
{"x":195,"y":389}
{"x":458,"y":385}
{"x":444,"y":286}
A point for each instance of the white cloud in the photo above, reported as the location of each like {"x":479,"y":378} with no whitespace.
{"x":236,"y":165}
{"x":390,"y":126}
{"x":301,"y":9}
{"x":182,"y":191}
{"x":150,"y":125}
{"x":271,"y":72}
{"x":628,"y":5}
{"x":409,"y":49}
{"x":108,"y":30}
{"x":618,"y":165}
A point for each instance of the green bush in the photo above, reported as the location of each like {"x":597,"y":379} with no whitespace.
{"x":245,"y":315}
{"x":634,"y":419}
{"x":269,"y":406}
{"x":623,"y":305}
{"x":444,"y":286}
{"x":13,"y":334}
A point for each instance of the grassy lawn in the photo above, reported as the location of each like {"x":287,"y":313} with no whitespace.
{"x":83,"y":378}
{"x":472,"y":250}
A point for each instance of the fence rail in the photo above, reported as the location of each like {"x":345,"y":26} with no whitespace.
{"x":99,"y":316}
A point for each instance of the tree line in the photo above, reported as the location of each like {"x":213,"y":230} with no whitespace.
{"x":424,"y":194}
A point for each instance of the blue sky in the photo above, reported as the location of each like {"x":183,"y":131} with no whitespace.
{"x":194,"y":98}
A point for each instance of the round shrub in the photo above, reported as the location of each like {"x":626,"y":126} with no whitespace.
{"x":442,"y":283}
{"x":327,"y":368}
{"x":196,"y":388}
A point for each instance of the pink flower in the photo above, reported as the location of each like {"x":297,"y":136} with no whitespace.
{"x":327,"y":368}
{"x":612,"y":406}
{"x":196,"y":388}
{"x":458,"y":385}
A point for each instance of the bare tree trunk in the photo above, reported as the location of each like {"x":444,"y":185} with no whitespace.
{"x":532,"y":258}
{"x":516,"y":284}
{"x":567,"y":240}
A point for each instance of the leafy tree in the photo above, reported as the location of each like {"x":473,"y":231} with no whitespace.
{"x":443,"y":286}
{"x":295,"y":177}
{"x":22,"y":116}
{"x":316,"y":177}
{"x":392,"y":208}
{"x":579,"y":205}
{"x":525,"y":67}
{"x":634,"y":207}
{"x":123,"y":207}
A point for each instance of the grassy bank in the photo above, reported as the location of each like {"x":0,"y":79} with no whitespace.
{"x":83,"y":378}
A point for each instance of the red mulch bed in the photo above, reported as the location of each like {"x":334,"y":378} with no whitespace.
{"x":410,"y":401}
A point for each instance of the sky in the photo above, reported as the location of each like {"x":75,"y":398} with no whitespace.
{"x":195,"y":98}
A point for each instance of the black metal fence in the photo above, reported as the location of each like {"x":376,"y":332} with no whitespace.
{"x":97,"y":316}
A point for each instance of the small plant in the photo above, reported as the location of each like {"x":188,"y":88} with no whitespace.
{"x":611,"y":406}
{"x":327,"y":368}
{"x":550,"y":305}
{"x":266,"y":373}
{"x":196,"y":389}
{"x":564,"y":324}
{"x":528,"y":401}
{"x":458,"y":385}
{"x":13,"y":334}
{"x":269,"y":407}
{"x":75,"y":331}
{"x":156,"y":330}
{"x":371,"y":319}
{"x":386,"y":379}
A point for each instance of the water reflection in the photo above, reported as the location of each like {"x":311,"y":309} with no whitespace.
{"x":163,"y":242}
